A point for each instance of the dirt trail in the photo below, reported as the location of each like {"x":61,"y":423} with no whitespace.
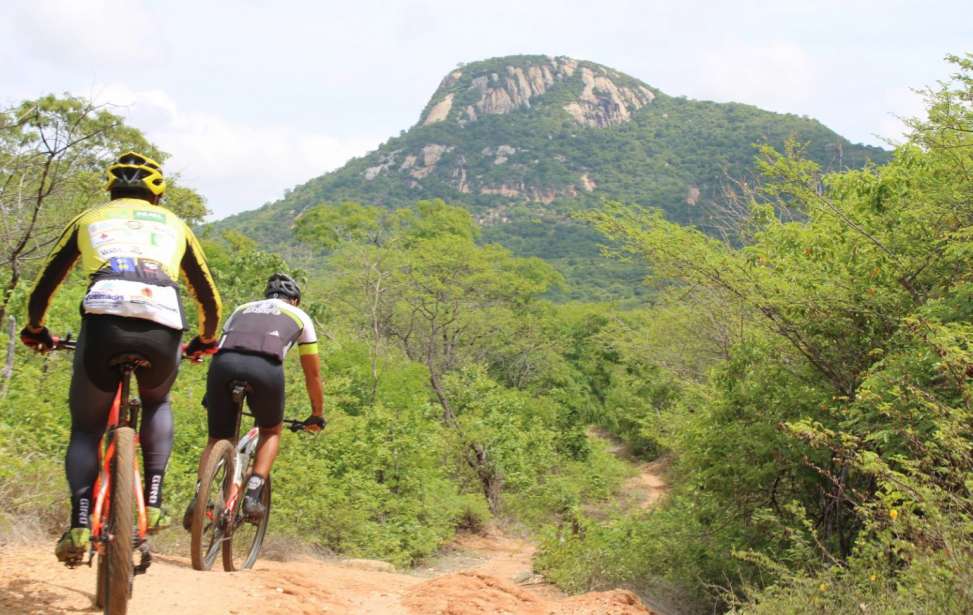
{"x":483,"y":575}
{"x":490,"y":574}
{"x":647,"y":486}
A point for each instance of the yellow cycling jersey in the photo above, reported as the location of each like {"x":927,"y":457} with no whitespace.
{"x":133,"y":252}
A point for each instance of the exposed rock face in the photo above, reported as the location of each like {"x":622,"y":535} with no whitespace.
{"x":503,"y":153}
{"x":587,"y":184}
{"x":692,"y":197}
{"x":528,"y":193}
{"x":459,"y":177}
{"x":385,"y":162}
{"x":591,"y":95}
{"x":418,"y":165}
{"x":439,"y":111}
{"x":607,"y":98}
{"x":603,"y":103}
{"x":430,"y":157}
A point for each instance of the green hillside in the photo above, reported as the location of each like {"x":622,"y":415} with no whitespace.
{"x":523,"y":141}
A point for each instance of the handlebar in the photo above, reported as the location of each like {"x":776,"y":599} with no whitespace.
{"x":64,"y":343}
{"x":295,"y":425}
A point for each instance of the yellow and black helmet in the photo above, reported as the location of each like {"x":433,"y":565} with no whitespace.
{"x":135,"y":171}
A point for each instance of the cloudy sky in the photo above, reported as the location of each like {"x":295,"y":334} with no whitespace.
{"x":252,"y":97}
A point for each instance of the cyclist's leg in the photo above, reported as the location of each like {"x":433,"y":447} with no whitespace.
{"x":266,"y":402}
{"x":267,"y":448}
{"x":161,"y":346}
{"x":221,"y":410}
{"x":267,"y":405}
{"x":93,"y":387}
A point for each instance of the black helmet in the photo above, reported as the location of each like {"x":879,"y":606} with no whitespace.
{"x":282,"y":285}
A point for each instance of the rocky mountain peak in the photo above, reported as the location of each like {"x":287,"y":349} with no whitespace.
{"x":591,"y":94}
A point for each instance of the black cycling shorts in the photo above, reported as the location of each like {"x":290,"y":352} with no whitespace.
{"x":265,"y":393}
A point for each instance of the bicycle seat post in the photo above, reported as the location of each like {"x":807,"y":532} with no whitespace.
{"x":239,"y":393}
{"x":126,"y":364}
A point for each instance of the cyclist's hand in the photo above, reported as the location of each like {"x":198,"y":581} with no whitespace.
{"x":314,"y":423}
{"x":197,"y":348}
{"x":39,"y":339}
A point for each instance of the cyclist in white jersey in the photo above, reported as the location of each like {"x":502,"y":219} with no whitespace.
{"x":255,"y":340}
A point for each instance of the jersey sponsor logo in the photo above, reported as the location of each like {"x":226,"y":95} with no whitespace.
{"x":133,"y":238}
{"x":122,"y":265}
{"x":149,"y":216}
{"x":135,"y":299}
{"x":260,"y":307}
{"x":96,"y":296}
{"x":110,"y":251}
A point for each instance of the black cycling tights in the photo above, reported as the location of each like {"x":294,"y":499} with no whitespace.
{"x":93,"y":387}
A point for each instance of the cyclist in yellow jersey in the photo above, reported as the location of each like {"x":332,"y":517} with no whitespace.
{"x":132,"y":251}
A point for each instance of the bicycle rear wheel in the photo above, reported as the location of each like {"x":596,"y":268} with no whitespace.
{"x":215,"y":481}
{"x":240,"y":551}
{"x":115,"y":569}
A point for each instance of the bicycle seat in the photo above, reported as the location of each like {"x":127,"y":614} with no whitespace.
{"x":130,"y":358}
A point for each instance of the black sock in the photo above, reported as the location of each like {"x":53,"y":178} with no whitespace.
{"x":153,"y":489}
{"x":81,"y":510}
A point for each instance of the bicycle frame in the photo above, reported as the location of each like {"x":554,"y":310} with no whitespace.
{"x":246,"y":448}
{"x":124,"y":412}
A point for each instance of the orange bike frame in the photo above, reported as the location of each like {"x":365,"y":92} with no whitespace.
{"x":102,"y":488}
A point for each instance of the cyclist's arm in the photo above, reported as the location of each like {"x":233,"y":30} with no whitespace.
{"x":202,"y":287}
{"x":307,"y":346}
{"x":311,"y":364}
{"x":57,"y":266}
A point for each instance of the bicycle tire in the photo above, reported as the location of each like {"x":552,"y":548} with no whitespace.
{"x":100,"y":582}
{"x":206,"y":533}
{"x":118,"y":569}
{"x":247,"y":550}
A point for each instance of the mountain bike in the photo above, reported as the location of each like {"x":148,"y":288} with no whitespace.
{"x":119,"y":525}
{"x":218,"y":523}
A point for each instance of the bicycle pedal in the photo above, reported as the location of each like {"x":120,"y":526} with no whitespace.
{"x":145,"y":559}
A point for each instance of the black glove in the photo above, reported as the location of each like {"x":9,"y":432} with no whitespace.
{"x":315,"y":421}
{"x":41,"y":340}
{"x":196,"y":348}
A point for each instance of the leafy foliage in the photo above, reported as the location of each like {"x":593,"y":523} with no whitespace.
{"x":824,"y":466}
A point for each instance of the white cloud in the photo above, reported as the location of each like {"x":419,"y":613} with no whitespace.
{"x":901,"y":104}
{"x":117,"y":32}
{"x":779,"y":76}
{"x":234,"y":165}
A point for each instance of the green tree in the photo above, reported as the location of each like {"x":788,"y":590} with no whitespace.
{"x":53,"y":154}
{"x":831,"y":447}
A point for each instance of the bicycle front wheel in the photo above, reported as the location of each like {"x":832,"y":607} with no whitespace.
{"x":240,"y":551}
{"x":215,"y":481}
{"x":115,"y":569}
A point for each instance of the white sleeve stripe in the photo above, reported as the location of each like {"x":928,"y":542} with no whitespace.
{"x":308,"y":336}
